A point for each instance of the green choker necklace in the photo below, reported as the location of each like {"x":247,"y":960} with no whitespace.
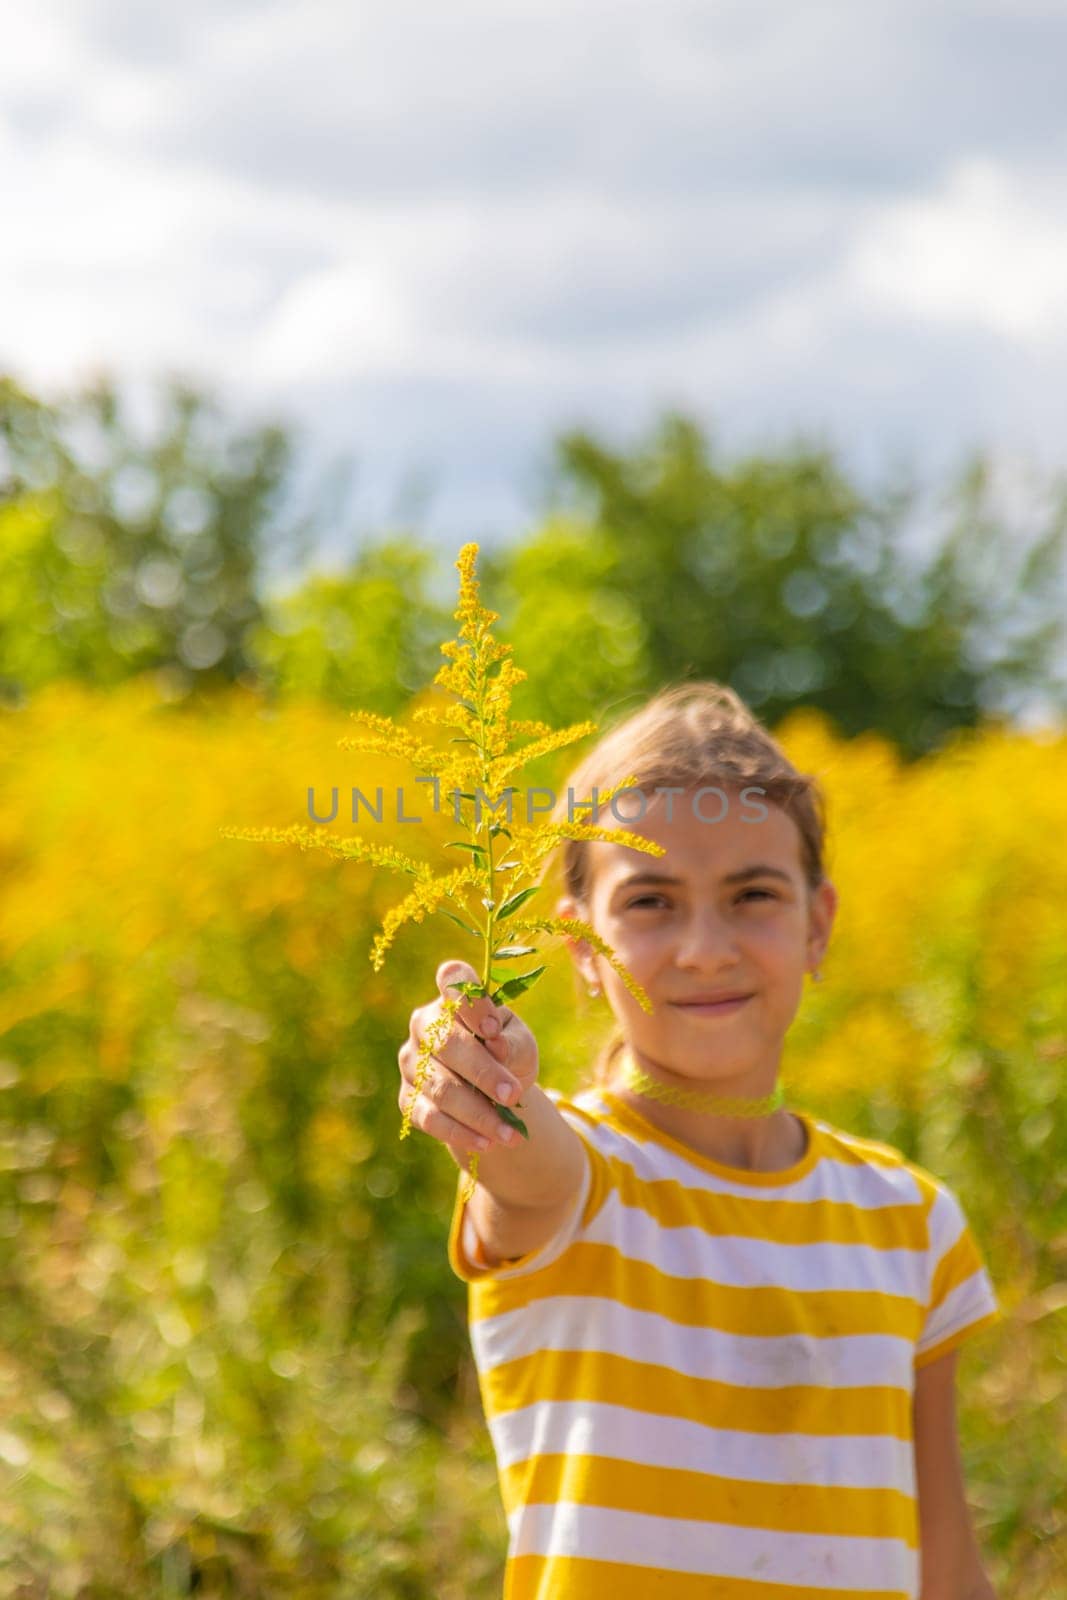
{"x":693,"y":1100}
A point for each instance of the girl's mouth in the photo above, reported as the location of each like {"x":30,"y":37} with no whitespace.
{"x":719,"y":1008}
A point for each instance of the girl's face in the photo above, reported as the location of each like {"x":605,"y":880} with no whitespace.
{"x":730,"y":914}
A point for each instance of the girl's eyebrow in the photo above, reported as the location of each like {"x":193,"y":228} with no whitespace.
{"x":742,"y":875}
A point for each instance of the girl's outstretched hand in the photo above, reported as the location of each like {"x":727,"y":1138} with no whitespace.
{"x":469,"y":1071}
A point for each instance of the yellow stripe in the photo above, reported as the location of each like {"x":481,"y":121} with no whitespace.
{"x":600,"y":1269}
{"x":595,"y":1378}
{"x":674,"y":1205}
{"x":957,"y":1338}
{"x":699,"y":1496}
{"x":957,"y":1265}
{"x":572,"y":1578}
{"x":864,"y":1152}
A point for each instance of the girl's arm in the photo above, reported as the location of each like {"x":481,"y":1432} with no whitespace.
{"x":525,"y":1190}
{"x":950,"y":1563}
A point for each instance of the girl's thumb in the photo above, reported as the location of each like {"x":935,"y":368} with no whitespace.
{"x":450,"y":972}
{"x":485,"y":1017}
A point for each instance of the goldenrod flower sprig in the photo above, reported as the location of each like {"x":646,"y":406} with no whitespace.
{"x":485,"y":892}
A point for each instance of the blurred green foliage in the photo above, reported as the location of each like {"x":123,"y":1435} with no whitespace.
{"x":366,"y":638}
{"x":775,"y":574}
{"x":125,"y":547}
{"x":130,"y":542}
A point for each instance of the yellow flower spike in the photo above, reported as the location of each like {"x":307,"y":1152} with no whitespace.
{"x":541,"y":747}
{"x":472,"y":1179}
{"x":576,"y":928}
{"x":433,"y":1039}
{"x":473,"y":760}
{"x":474,"y":616}
{"x":427,"y":714}
{"x":385,"y":855}
{"x":531,"y":846}
{"x":426,"y":896}
{"x":383,"y":735}
{"x":454,"y":678}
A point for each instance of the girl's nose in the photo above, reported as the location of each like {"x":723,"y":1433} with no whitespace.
{"x":705,"y":939}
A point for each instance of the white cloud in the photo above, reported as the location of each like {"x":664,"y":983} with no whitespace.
{"x":990,"y":247}
{"x":335,"y":323}
{"x":40,"y":54}
{"x":447,"y":232}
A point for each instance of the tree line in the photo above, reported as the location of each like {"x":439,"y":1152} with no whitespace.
{"x":128,"y":547}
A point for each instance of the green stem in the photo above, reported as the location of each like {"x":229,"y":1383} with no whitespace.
{"x":504,"y":1112}
{"x":489,"y":910}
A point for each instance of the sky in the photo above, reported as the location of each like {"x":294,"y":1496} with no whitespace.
{"x":434,"y":237}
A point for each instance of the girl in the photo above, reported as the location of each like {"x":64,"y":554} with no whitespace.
{"x":715,"y":1337}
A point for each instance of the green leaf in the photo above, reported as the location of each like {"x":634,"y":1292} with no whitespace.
{"x":504,"y":866}
{"x":473,"y":991}
{"x":468,"y":707}
{"x":509,"y":952}
{"x":477,"y":932}
{"x":461,"y":738}
{"x":460,"y":844}
{"x":510,"y":1117}
{"x":516,"y":901}
{"x":494,"y":667}
{"x":517,"y":986}
{"x":498,"y":828}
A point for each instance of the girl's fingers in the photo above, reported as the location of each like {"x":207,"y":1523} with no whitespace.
{"x":468,"y":1124}
{"x":480,"y":1064}
{"x":466,"y":1077}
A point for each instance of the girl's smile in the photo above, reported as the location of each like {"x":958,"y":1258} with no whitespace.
{"x":711,"y":1008}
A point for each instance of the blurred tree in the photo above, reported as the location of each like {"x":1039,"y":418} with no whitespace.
{"x":123,"y":549}
{"x":367,"y":637}
{"x":774,"y":574}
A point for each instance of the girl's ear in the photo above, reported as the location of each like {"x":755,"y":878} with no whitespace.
{"x":578,"y":950}
{"x":823,"y":909}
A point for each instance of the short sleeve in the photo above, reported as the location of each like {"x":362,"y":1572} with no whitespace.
{"x":464,"y":1252}
{"x":960,"y":1294}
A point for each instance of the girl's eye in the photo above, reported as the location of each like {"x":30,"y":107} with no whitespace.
{"x":646,"y":899}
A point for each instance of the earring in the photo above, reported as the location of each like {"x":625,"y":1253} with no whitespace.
{"x":816,"y":976}
{"x":594,"y":990}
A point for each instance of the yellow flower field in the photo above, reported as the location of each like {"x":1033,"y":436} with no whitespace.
{"x":232,"y":1354}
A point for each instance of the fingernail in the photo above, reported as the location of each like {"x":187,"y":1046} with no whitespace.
{"x":490,"y":1025}
{"x":503,"y":1093}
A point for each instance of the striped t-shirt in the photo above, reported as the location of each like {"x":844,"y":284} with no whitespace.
{"x":709,"y":1372}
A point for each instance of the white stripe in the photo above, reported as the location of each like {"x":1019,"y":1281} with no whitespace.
{"x":577,"y":1427}
{"x":946,"y":1223}
{"x":594,"y":1323}
{"x":871,"y":1187}
{"x":965,"y":1304}
{"x":816,"y":1561}
{"x":743,"y":1262}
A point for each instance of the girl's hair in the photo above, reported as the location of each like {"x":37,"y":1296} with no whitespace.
{"x":686,"y":736}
